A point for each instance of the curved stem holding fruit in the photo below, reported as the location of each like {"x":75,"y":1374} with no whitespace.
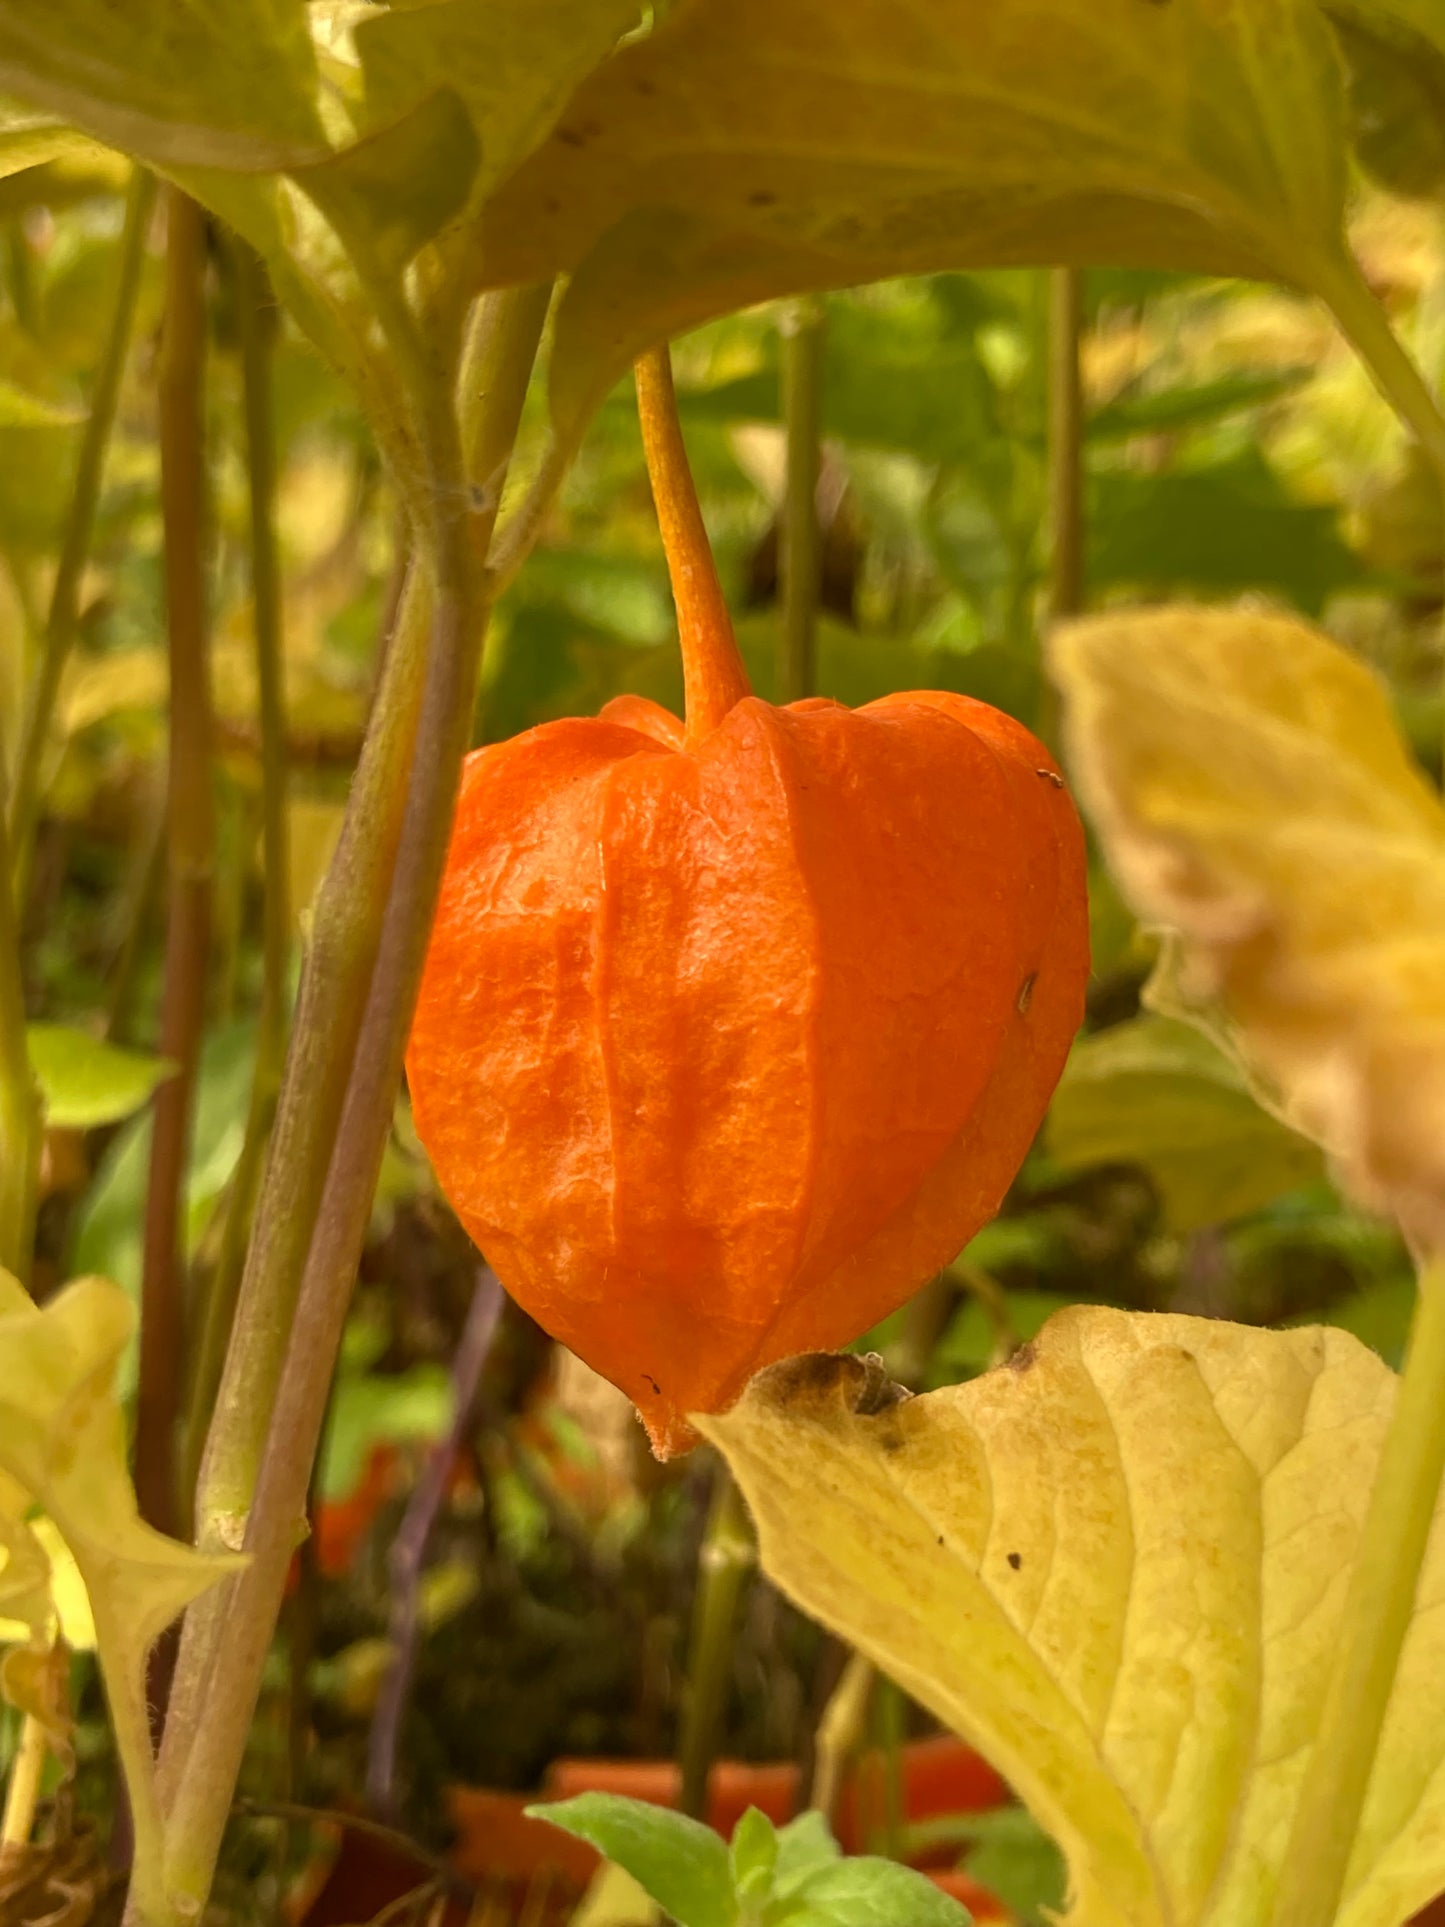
{"x":714,"y":678}
{"x":1378,"y":1611}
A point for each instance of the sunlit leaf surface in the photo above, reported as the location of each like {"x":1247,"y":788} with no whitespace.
{"x":1117,"y":1566}
{"x":752,"y":147}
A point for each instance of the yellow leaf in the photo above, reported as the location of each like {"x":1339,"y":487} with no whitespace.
{"x":749,"y":148}
{"x":63,"y":1450}
{"x":1253,"y":794}
{"x":1117,"y":1567}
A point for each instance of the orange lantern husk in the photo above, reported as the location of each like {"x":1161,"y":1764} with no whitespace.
{"x":733,"y":1032}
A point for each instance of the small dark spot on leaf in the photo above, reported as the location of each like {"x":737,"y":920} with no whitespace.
{"x":940,"y":1538}
{"x":572,"y":136}
{"x":653,"y":1383}
{"x":1015,"y":1559}
{"x":1023,"y":1359}
{"x":817,"y":1380}
{"x":762,"y":197}
{"x":647,"y":88}
{"x":554,"y":204}
{"x":1026,"y":991}
{"x":1051,"y":776}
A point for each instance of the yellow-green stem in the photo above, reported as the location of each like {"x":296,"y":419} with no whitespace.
{"x":1066,"y":444}
{"x":1367,"y":328}
{"x":22,"y":1795}
{"x":64,"y":612}
{"x":20,"y":1121}
{"x":723,"y":1564}
{"x":888,"y":1712}
{"x":840,"y":1733}
{"x":800,"y":544}
{"x":1377,"y":1614}
{"x":257,"y":322}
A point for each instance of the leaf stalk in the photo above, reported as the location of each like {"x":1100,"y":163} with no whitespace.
{"x":1378,"y":1610}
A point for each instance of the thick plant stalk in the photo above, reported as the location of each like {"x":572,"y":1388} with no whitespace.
{"x":64,"y":612}
{"x":224,"y":1649}
{"x":257,"y":330}
{"x":712,"y":667}
{"x":197,"y":1816}
{"x":726,"y":1558}
{"x":345,"y":934}
{"x":800,"y":546}
{"x":1378,"y":1610}
{"x":190,"y":837}
{"x":1066,"y":444}
{"x":19,"y":1098}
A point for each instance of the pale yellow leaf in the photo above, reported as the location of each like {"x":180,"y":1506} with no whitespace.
{"x":63,"y":1451}
{"x":1253,"y":794}
{"x":1117,"y":1567}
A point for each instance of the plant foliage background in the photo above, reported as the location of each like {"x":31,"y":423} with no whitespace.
{"x":1233,"y":446}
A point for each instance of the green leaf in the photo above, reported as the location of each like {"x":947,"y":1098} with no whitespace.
{"x":108,"y":1231}
{"x":514,"y":66}
{"x":749,"y":148}
{"x":753,"y":1854}
{"x":371,"y":1408}
{"x":30,"y":140}
{"x":1252,"y":792}
{"x":863,"y":1891}
{"x":84,"y":1082}
{"x":1117,"y":1567}
{"x":316,"y":280}
{"x":1014,"y":1858}
{"x":200,"y":83}
{"x":889,"y":381}
{"x":1215,"y":531}
{"x":680,"y":1862}
{"x":1163,"y":410}
{"x":970,"y":1342}
{"x":804,"y":1845}
{"x":1396,"y":54}
{"x":1159,"y":1094}
{"x":391,"y":191}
